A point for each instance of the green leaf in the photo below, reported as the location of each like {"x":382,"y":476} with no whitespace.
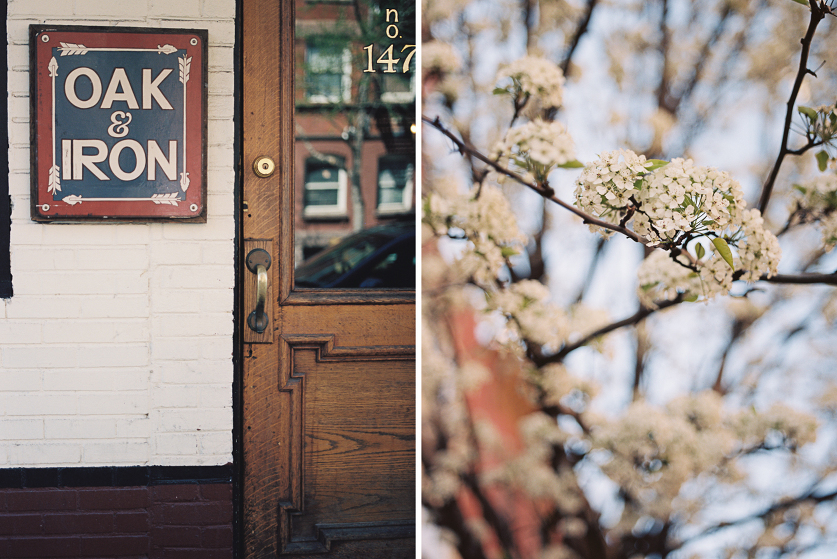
{"x":801,"y":188}
{"x":700,"y":252}
{"x":649,"y":286}
{"x":574,"y":164}
{"x":691,"y":298}
{"x":808,"y":111}
{"x":822,"y":160}
{"x":508,"y":251}
{"x":500,"y":91}
{"x":803,"y":2}
{"x":655,"y":164}
{"x":723,"y":249}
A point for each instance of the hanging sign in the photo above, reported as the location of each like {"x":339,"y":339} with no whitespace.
{"x":119,"y":120}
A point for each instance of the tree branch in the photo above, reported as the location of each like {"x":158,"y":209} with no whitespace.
{"x":798,"y":279}
{"x":467,"y":149}
{"x":639,"y":315}
{"x":775,"y":507}
{"x":583,"y":25}
{"x":817,"y":14}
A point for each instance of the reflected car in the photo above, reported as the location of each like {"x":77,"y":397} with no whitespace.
{"x":378,"y":257}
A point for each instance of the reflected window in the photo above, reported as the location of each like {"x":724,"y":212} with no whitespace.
{"x":395,"y":184}
{"x":325,"y":187}
{"x":399,"y":87}
{"x":327,"y":73}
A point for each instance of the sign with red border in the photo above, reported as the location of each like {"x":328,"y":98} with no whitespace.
{"x":119,"y":123}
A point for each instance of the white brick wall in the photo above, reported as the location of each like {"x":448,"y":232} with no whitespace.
{"x":117,"y":345}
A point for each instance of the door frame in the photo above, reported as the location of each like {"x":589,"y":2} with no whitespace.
{"x":281,"y":273}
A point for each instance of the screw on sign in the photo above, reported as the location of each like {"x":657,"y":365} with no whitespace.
{"x":120,"y":123}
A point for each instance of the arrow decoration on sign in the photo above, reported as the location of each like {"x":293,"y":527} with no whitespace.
{"x":170,"y":199}
{"x":185,"y":67}
{"x":70,"y":49}
{"x":54,"y":180}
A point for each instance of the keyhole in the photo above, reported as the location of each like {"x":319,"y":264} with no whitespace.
{"x":265,"y":166}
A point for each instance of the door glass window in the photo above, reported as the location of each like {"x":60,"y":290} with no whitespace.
{"x":355,"y":201}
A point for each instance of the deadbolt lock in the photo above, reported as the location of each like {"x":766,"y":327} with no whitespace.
{"x":264,"y":166}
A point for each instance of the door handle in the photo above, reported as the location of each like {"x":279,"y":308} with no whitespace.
{"x":258,"y":262}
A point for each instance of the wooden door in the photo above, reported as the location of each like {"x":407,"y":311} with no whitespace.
{"x":328,"y":390}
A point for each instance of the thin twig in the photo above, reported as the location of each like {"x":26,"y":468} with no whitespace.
{"x":583,"y":25}
{"x":817,"y":14}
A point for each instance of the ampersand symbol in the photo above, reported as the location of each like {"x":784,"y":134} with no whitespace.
{"x":119,"y":127}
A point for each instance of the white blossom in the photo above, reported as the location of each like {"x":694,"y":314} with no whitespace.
{"x":437,"y":56}
{"x":605,"y":187}
{"x":537,"y":84}
{"x":817,"y":201}
{"x":663,"y":279}
{"x":716,"y":276}
{"x":796,"y":427}
{"x":758,"y":252}
{"x":486,"y":218}
{"x":537,"y":147}
{"x":524,"y":302}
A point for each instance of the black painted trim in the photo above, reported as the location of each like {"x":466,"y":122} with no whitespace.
{"x":5,"y":199}
{"x":238,"y":316}
{"x":113,"y":476}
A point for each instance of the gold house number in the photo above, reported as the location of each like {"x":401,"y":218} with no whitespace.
{"x":387,"y":58}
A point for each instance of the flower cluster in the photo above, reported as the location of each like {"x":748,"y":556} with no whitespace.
{"x":559,"y":386}
{"x":536,"y":84}
{"x":682,"y":197}
{"x":758,"y":251}
{"x":525,"y":303}
{"x":795,"y":428}
{"x":536,"y":148}
{"x":653,"y":452}
{"x":440,"y":57}
{"x":606,"y":187}
{"x":663,"y":279}
{"x":817,"y":201}
{"x":821,"y":124}
{"x":671,"y":204}
{"x":487,"y":221}
{"x":716,"y":276}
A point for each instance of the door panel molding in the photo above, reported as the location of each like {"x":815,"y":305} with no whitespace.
{"x":367,"y":440}
{"x":328,"y":534}
{"x":327,"y":350}
{"x":305,"y":296}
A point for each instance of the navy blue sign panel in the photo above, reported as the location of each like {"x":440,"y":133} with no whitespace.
{"x":120,"y":123}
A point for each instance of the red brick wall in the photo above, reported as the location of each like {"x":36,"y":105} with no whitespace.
{"x":184,"y":521}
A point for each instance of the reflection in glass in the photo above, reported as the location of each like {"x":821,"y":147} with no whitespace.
{"x":355,"y":145}
{"x":381,"y":256}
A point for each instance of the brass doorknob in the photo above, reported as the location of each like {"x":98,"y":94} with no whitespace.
{"x":264,"y":166}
